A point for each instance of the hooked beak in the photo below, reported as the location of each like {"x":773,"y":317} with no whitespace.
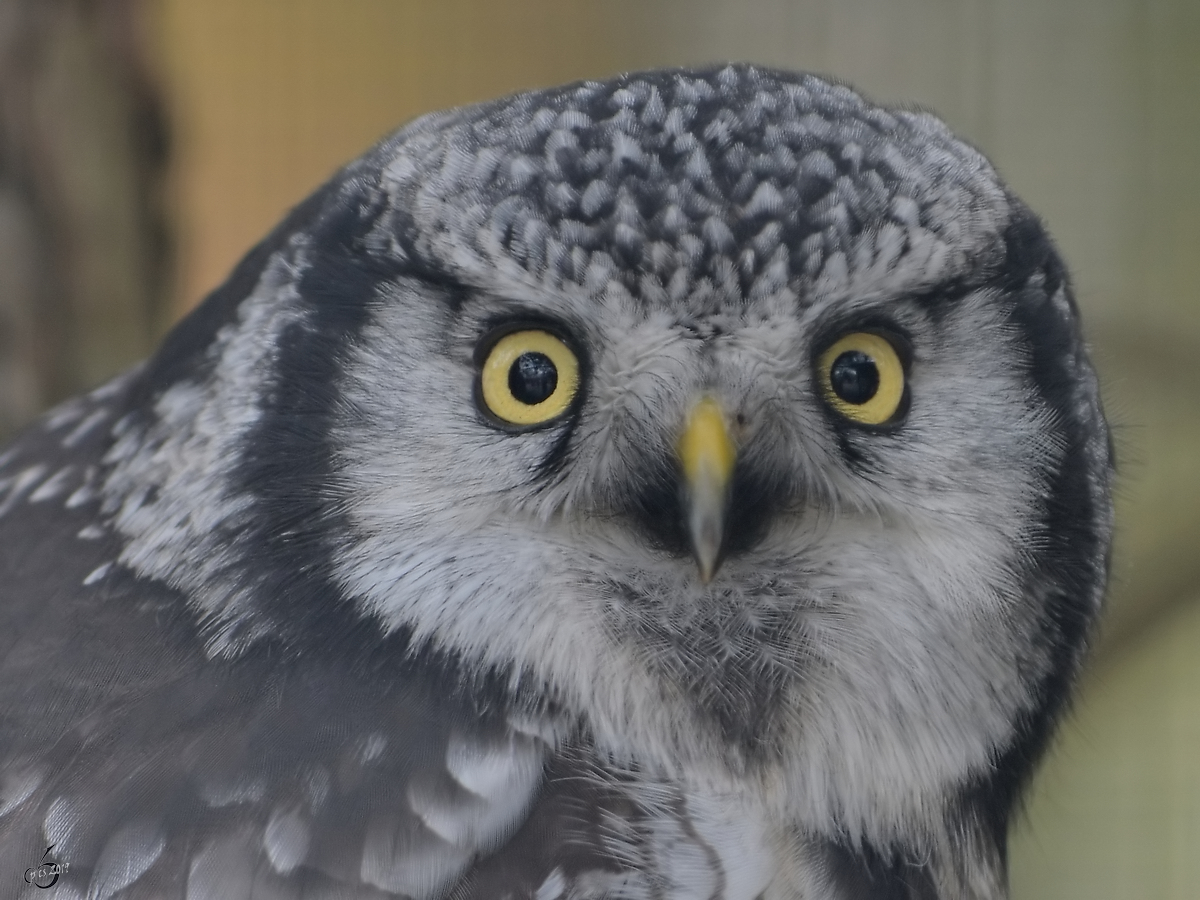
{"x":707,"y":455}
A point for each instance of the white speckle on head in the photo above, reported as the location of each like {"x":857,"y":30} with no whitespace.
{"x":63,"y":816}
{"x":65,"y":414}
{"x":218,"y":795}
{"x":540,"y":729}
{"x":17,"y":786}
{"x":317,"y":785}
{"x":86,"y":427}
{"x":373,"y":747}
{"x":553,"y":887}
{"x":408,"y":860}
{"x":114,"y":386}
{"x":286,"y":839}
{"x":129,"y":852}
{"x":54,"y":485}
{"x":494,"y":772}
{"x":450,"y":820}
{"x":497,"y":783}
{"x":85,"y":493}
{"x":765,"y":201}
{"x":97,"y":573}
{"x":21,"y":484}
{"x":91,"y":533}
{"x":223,"y":869}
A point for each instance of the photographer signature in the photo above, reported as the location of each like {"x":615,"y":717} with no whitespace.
{"x":46,"y":873}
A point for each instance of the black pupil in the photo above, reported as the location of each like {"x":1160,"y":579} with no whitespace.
{"x":854,"y":377}
{"x":532,"y":378}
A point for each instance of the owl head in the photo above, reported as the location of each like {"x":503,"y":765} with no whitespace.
{"x":723,"y":417}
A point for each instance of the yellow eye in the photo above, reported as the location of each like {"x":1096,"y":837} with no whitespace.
{"x":862,"y":378}
{"x":529,"y":377}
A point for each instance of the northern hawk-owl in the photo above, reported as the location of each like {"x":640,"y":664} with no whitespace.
{"x":689,"y":485}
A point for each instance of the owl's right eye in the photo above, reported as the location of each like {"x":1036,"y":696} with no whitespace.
{"x":863,"y":378}
{"x":529,"y":378}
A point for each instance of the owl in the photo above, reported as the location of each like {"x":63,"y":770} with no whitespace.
{"x":688,"y":486}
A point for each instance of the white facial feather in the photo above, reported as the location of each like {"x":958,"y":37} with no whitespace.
{"x":908,"y":619}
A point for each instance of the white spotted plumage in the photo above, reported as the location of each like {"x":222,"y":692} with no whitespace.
{"x":295,"y":615}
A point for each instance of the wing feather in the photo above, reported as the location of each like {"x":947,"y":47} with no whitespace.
{"x":156,"y":770}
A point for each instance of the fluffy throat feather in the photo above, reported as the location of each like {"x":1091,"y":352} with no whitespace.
{"x":731,"y":654}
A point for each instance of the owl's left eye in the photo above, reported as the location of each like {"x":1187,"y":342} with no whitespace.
{"x":863,"y":378}
{"x":529,"y":377}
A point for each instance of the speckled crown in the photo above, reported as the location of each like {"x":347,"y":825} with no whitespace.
{"x":674,"y":182}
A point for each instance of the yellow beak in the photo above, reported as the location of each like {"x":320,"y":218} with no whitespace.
{"x":707,"y":454}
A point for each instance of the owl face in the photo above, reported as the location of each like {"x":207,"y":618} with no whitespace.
{"x":853,"y":555}
{"x":726,"y":417}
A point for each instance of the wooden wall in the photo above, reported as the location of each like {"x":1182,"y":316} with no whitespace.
{"x":271,"y":96}
{"x":84,"y":242}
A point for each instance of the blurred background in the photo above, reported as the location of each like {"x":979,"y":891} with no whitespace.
{"x":146,"y":144}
